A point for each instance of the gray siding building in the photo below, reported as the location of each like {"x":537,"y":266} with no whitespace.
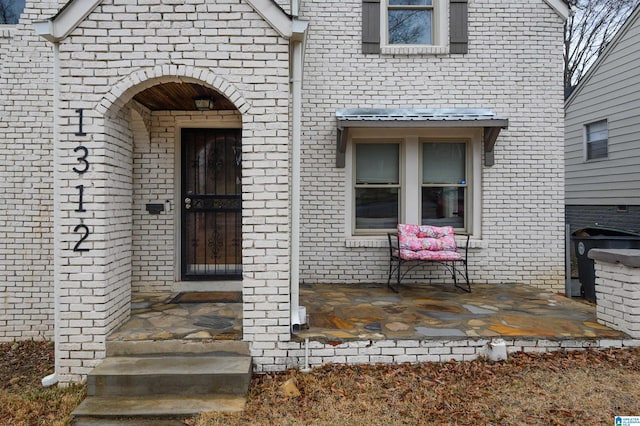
{"x":602,"y":138}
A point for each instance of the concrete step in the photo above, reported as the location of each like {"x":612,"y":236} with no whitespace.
{"x":186,"y":375}
{"x":151,"y":410}
{"x":176,"y":346}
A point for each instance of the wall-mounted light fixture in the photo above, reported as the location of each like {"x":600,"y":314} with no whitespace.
{"x":203,"y":103}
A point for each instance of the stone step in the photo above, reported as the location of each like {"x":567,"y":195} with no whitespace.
{"x":186,"y":375}
{"x":176,"y":346}
{"x":151,"y":410}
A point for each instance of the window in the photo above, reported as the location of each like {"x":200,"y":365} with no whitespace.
{"x":410,"y":21}
{"x":10,"y":11}
{"x":377,"y":185}
{"x":444,"y":184}
{"x":416,"y":179}
{"x":415,"y":26}
{"x":596,"y":140}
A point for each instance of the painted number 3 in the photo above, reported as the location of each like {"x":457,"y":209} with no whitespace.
{"x":82,"y":159}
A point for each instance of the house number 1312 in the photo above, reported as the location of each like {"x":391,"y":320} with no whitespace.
{"x":80,"y":169}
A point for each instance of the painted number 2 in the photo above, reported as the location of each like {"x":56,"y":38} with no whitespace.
{"x":85,"y":234}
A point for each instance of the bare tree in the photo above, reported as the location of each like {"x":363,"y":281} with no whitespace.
{"x":588,"y":31}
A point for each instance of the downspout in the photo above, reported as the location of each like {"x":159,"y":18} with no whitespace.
{"x":297,"y":56}
{"x":52,"y":379}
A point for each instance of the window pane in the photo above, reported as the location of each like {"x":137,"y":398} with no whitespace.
{"x":444,"y":163}
{"x":410,"y":2}
{"x":377,"y":163}
{"x":597,"y":135}
{"x":410,"y":26}
{"x":597,"y":149}
{"x":597,"y":131}
{"x":10,"y":11}
{"x":443,"y":206}
{"x":376,"y":208}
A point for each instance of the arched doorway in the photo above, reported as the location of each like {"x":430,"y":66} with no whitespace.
{"x":187,"y":163}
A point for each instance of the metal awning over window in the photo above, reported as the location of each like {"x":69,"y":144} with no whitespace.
{"x":423,"y":118}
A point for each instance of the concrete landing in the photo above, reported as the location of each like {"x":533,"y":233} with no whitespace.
{"x":176,"y":346}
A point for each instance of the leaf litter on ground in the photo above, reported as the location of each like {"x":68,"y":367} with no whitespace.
{"x":581,"y":387}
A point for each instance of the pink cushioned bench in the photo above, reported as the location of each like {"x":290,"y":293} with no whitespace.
{"x":424,"y":243}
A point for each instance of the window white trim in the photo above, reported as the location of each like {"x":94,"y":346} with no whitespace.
{"x":440,"y":29}
{"x":410,"y":178}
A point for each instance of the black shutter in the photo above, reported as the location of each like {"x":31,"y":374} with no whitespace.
{"x":370,"y":26}
{"x":458,"y":23}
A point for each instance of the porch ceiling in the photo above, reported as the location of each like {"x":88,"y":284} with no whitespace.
{"x":179,"y":97}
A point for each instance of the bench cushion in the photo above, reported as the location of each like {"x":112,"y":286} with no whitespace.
{"x":426,"y":238}
{"x":441,"y":256}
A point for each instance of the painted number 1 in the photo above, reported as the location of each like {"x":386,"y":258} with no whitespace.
{"x":80,"y":189}
{"x":80,"y":116}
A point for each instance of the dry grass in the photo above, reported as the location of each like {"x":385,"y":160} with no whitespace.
{"x":584,"y":388}
{"x":23,"y":400}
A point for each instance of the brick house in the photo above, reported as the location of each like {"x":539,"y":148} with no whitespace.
{"x":256,"y":145}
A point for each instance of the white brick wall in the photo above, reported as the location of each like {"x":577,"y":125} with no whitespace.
{"x":514,"y":67}
{"x":286,"y":355}
{"x":618,"y":297}
{"x":26,"y":248}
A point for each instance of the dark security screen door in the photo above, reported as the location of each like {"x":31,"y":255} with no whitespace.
{"x":211,"y":204}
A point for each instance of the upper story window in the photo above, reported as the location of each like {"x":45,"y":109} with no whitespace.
{"x":596,"y":140}
{"x":414,"y":26}
{"x":410,"y":22}
{"x":10,"y":11}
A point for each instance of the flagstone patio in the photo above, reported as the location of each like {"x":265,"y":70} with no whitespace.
{"x":373,"y":312}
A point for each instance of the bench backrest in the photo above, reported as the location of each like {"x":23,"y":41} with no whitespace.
{"x":426,"y":237}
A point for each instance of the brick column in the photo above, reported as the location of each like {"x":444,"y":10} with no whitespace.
{"x":94,"y":233}
{"x":618,"y":289}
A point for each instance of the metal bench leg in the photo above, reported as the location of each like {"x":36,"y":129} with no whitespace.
{"x":391,"y":270}
{"x":397,"y":288}
{"x":464,"y":275}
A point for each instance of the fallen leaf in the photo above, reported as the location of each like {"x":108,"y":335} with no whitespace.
{"x":289,"y":389}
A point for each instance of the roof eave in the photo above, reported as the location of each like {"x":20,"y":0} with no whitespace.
{"x":560,"y":7}
{"x":59,"y":27}
{"x":273,"y":14}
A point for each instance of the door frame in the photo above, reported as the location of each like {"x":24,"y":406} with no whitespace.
{"x":213,"y":120}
